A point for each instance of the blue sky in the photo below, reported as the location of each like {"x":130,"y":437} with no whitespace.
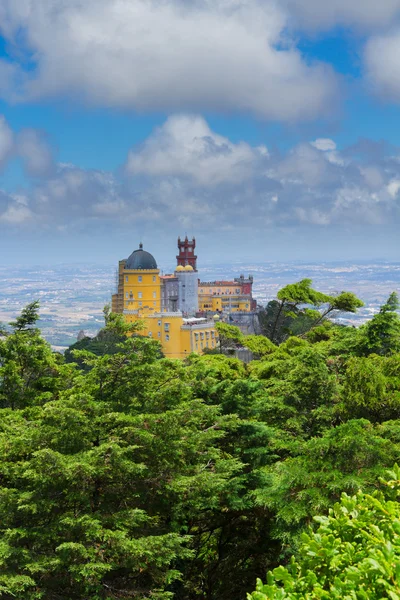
{"x":269,"y":131}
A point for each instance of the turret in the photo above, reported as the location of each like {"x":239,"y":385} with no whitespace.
{"x":186,"y":254}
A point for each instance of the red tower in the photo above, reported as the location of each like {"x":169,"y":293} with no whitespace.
{"x":186,"y":254}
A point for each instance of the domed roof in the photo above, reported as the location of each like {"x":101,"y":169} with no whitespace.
{"x":180,"y":268}
{"x":140,"y":259}
{"x":188,"y":268}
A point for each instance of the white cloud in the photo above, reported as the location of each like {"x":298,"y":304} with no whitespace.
{"x":6,"y":141}
{"x":187,"y":176}
{"x":393,"y":187}
{"x":328,"y":146}
{"x":30,"y":145}
{"x":230,"y":55}
{"x":373,"y":177}
{"x":382,"y":58}
{"x":324,"y":144}
{"x":304,"y":164}
{"x":186,"y":146}
{"x":109,"y":208}
{"x":324,"y":14}
{"x":16,"y":213}
{"x":35,"y":152}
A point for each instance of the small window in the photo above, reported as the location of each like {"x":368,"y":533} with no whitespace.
{"x":166,"y":327}
{"x":126,"y":278}
{"x":126,"y":295}
{"x":154,"y":294}
{"x":127,"y":303}
{"x":150,"y":334}
{"x":140,"y":295}
{"x":139,"y":279}
{"x":167,"y":338}
{"x":159,"y":334}
{"x":140,"y":303}
{"x":154,"y":303}
{"x":159,"y":323}
{"x":154,"y":277}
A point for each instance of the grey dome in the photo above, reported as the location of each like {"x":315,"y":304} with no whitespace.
{"x":140,"y":259}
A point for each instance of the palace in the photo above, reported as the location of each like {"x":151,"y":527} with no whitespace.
{"x":177,"y":309}
{"x":230,"y":296}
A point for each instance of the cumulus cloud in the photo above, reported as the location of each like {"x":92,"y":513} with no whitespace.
{"x":186,"y":146}
{"x":30,"y":145}
{"x":72,"y":194}
{"x":329,"y":147}
{"x":383,"y":66}
{"x":393,"y":187}
{"x":14,"y":210}
{"x":186,"y":176}
{"x":324,"y":144}
{"x":6,"y":141}
{"x":231,"y":55}
{"x":195,"y":55}
{"x":35,"y":151}
{"x":16,"y":214}
{"x":363,"y":14}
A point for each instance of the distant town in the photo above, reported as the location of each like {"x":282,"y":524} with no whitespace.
{"x":72,"y":296}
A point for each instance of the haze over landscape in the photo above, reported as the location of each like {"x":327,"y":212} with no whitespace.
{"x":72,"y":297}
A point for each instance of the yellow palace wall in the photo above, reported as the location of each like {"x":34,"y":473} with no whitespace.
{"x":218,"y":295}
{"x":218,"y":303}
{"x":139,"y":298}
{"x":177,"y":338}
{"x":142,"y":290}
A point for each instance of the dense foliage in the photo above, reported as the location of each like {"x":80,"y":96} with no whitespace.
{"x":354,"y":554}
{"x":128,"y":475}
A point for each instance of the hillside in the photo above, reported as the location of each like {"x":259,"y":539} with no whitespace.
{"x":129,"y":475}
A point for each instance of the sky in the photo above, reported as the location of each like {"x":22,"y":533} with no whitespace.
{"x":269,"y":130}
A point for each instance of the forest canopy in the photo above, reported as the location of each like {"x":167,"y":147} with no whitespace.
{"x":125,"y":474}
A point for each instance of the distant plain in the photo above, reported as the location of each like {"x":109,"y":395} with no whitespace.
{"x":72,"y":296}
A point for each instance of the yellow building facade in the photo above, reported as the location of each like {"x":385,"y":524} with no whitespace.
{"x":229,"y":296}
{"x":139,"y":297}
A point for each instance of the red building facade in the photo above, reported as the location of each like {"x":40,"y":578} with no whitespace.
{"x":186,"y":254}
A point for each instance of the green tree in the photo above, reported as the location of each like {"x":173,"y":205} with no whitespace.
{"x":353,"y":555}
{"x":138,"y":476}
{"x":230,"y":336}
{"x":345,"y":458}
{"x":371,"y":388}
{"x":29,"y":371}
{"x":99,"y":487}
{"x":291,"y":314}
{"x":109,"y":479}
{"x":382,"y":332}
